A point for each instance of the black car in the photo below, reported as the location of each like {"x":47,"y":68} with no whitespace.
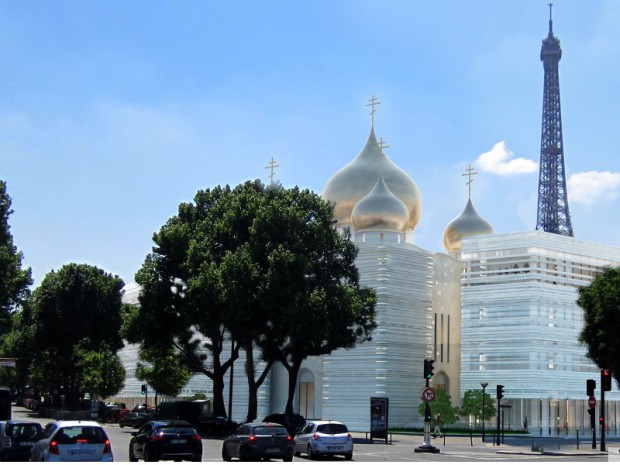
{"x":260,"y":440}
{"x":165,"y":440}
{"x":17,"y":439}
{"x":134,"y":420}
{"x":293,"y":423}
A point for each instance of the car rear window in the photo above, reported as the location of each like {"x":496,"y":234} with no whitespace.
{"x":176,"y":429}
{"x":24,"y":431}
{"x":332,"y":428}
{"x":269,"y":430}
{"x":73,"y":434}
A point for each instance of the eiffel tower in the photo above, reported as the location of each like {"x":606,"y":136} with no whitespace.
{"x":553,"y":215}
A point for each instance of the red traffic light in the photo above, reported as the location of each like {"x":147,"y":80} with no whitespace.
{"x":606,"y":380}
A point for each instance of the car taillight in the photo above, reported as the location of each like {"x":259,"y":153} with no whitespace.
{"x":198,"y":437}
{"x":54,"y":448}
{"x":349,"y":437}
{"x":316,"y":437}
{"x":157,"y":437}
{"x":252,"y":439}
{"x":107,"y":447}
{"x":289,"y":440}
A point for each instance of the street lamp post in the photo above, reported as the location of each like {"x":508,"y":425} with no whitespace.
{"x":484,"y":386}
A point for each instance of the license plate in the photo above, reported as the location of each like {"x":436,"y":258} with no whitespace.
{"x":81,"y":452}
{"x":178,"y":441}
{"x":334,"y":448}
{"x":27,"y":443}
{"x":273,"y":450}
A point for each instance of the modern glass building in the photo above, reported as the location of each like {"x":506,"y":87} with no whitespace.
{"x":521,"y":326}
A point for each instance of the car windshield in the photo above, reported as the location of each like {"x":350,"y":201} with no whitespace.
{"x":24,"y":431}
{"x":269,"y":430}
{"x":332,"y":428}
{"x":73,"y":434}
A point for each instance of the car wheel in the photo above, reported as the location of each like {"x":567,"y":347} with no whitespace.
{"x":288,"y":459}
{"x":348,"y":456}
{"x":225,"y":456}
{"x":120,"y":424}
{"x":132,"y":458}
{"x":311,"y":454}
{"x":149,"y":456}
{"x":197,"y":458}
{"x":297,"y":453}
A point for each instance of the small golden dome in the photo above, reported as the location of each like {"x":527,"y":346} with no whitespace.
{"x":468,"y":223}
{"x":380,"y":210}
{"x":352,"y":182}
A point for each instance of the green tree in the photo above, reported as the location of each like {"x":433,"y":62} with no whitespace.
{"x":74,"y":309}
{"x":103,"y":374}
{"x":249,"y":265}
{"x":165,"y":372}
{"x":442,"y":405}
{"x":14,"y":281}
{"x":601,"y":304}
{"x":472,"y":405}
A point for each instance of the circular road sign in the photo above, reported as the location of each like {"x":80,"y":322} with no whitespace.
{"x":427,"y":394}
{"x":591,"y":402}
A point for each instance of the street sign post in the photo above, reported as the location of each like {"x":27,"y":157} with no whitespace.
{"x":592,"y":402}
{"x":427,"y":394}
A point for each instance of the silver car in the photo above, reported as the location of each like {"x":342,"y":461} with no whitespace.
{"x":324,"y":438}
{"x":73,"y":441}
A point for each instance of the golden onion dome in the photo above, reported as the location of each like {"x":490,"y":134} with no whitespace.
{"x":380,"y":210}
{"x":468,"y":223}
{"x":352,"y":182}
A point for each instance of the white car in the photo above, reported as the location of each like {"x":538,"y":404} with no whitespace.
{"x":73,"y":441}
{"x":322,"y":437}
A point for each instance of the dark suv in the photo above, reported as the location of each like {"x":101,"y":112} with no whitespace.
{"x":17,"y":439}
{"x":165,"y":440}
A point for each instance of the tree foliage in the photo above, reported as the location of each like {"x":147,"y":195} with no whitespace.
{"x":75,"y":309}
{"x":601,"y":304}
{"x":14,"y":281}
{"x":164,"y":371}
{"x":263,"y":267}
{"x":472,"y":405}
{"x":103,"y":374}
{"x":442,"y":405}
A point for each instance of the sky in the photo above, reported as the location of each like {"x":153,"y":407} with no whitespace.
{"x":114,"y":112}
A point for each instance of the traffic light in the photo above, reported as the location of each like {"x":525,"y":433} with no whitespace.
{"x":500,"y":391}
{"x":591,"y":412}
{"x":606,"y":380}
{"x":144,"y":389}
{"x":600,"y":421}
{"x":428,"y":368}
{"x":590,"y":387}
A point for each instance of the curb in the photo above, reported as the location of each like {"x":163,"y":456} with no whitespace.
{"x":567,"y":454}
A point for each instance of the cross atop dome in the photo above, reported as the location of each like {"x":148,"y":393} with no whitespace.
{"x":271,"y":167}
{"x":373,"y":102}
{"x":469,"y":172}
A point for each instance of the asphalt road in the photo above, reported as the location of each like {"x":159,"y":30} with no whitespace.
{"x":456,"y":449}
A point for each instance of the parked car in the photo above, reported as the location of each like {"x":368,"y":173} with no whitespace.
{"x":17,"y":439}
{"x":165,"y":440}
{"x":260,"y":440}
{"x":293,"y":423}
{"x":324,"y":438}
{"x":70,"y":441}
{"x":134,"y":420}
{"x":217,"y":426}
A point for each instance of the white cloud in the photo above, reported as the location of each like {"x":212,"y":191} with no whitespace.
{"x":586,"y":188}
{"x":498,"y":161}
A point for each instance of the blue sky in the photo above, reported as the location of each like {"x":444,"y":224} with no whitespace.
{"x":114,"y":112}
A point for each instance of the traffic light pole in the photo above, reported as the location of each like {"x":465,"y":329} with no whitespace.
{"x":427,"y":446}
{"x":602,"y":409}
{"x":499,"y":410}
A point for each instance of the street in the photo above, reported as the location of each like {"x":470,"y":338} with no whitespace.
{"x":456,"y":449}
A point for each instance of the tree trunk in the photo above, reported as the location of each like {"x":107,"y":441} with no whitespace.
{"x":253,"y":385}
{"x":293,"y":371}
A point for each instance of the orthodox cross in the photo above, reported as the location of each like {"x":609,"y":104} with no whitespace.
{"x":382,"y":144}
{"x":373,"y":102}
{"x":469,"y":172}
{"x":270,"y":166}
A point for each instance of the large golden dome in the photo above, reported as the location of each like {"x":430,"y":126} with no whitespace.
{"x":468,"y":223}
{"x":352,"y":182}
{"x":380,"y":210}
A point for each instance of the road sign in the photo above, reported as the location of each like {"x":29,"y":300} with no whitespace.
{"x":427,"y":394}
{"x":591,"y":402}
{"x":7,"y":362}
